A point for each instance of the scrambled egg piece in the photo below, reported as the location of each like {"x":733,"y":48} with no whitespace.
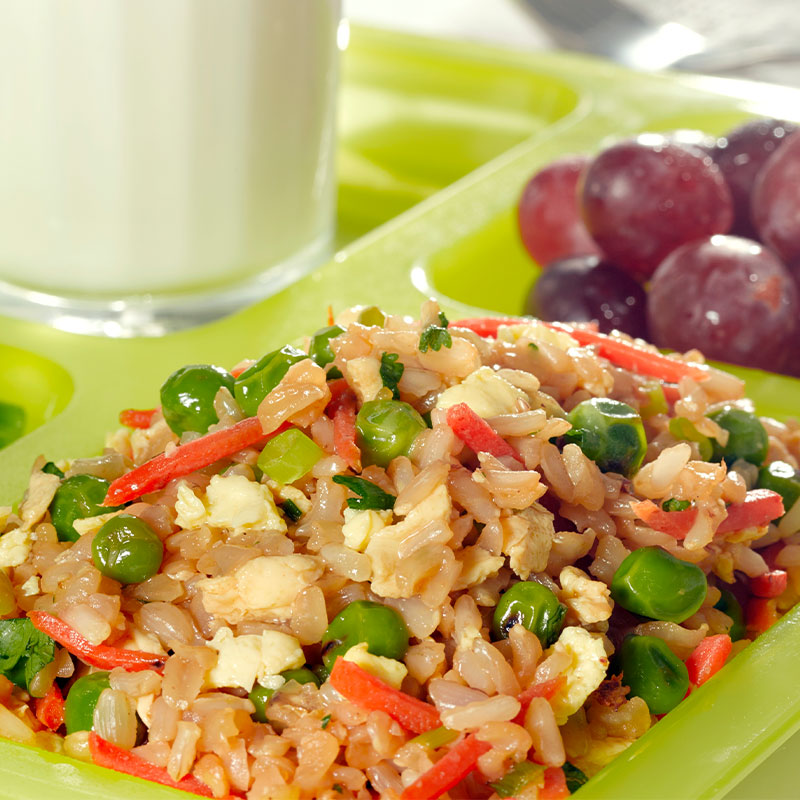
{"x":527,"y":538}
{"x":599,"y":753}
{"x":485,"y":392}
{"x":590,"y":600}
{"x":92,"y":524}
{"x":262,"y":588}
{"x":360,"y":525}
{"x":289,"y":492}
{"x":364,"y":375}
{"x":477,"y":565}
{"x":38,"y":497}
{"x":232,"y":502}
{"x":243,"y":660}
{"x":389,"y":670}
{"x":15,"y":547}
{"x":31,"y":586}
{"x":383,"y":547}
{"x":536,"y":332}
{"x":467,"y":637}
{"x":584,"y":674}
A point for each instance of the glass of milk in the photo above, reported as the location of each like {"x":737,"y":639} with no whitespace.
{"x":162,"y":162}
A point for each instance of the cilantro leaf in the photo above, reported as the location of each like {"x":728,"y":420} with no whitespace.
{"x":23,"y":650}
{"x":391,"y":372}
{"x":675,"y":505}
{"x":435,"y":337}
{"x":370,"y":496}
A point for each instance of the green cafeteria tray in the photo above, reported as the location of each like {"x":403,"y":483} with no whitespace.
{"x":447,"y":133}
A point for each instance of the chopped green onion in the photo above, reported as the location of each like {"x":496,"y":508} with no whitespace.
{"x":326,"y":720}
{"x":517,"y":778}
{"x":435,"y":337}
{"x":575,"y":777}
{"x":372,"y":316}
{"x":438,"y":737}
{"x":291,"y":510}
{"x":656,"y":402}
{"x":289,"y":456}
{"x":675,"y":505}
{"x":682,"y":428}
{"x":337,"y":787}
{"x":391,"y":372}
{"x":370,"y":496}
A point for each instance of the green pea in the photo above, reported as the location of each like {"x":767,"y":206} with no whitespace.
{"x":127,"y":549}
{"x":653,"y":672}
{"x":380,"y":627}
{"x":12,"y":422}
{"x":78,"y":497}
{"x":610,"y":433}
{"x":533,"y":606}
{"x":782,"y":478}
{"x":386,"y":429}
{"x":302,"y":675}
{"x":82,"y":699}
{"x":187,"y":397}
{"x":728,"y":604}
{"x":320,"y":348}
{"x":653,"y":583}
{"x":256,"y":382}
{"x":747,"y":438}
{"x":260,"y":695}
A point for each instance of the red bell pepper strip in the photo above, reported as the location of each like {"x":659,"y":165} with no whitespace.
{"x":708,"y":658}
{"x":770,"y":584}
{"x":674,"y":523}
{"x":546,"y":689}
{"x":759,"y":508}
{"x":49,"y":710}
{"x":555,"y":785}
{"x":186,"y":458}
{"x":97,"y":655}
{"x":476,"y":432}
{"x":137,"y":417}
{"x":760,"y":614}
{"x":106,"y":754}
{"x":619,"y":352}
{"x":369,"y":692}
{"x":342,"y":410}
{"x":449,"y":770}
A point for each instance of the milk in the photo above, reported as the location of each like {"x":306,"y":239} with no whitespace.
{"x":163,"y":146}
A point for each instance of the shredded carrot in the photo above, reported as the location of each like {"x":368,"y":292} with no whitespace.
{"x":708,"y":658}
{"x":97,"y":655}
{"x":674,"y":523}
{"x":106,"y":754}
{"x":137,"y":417}
{"x":371,"y":693}
{"x":477,"y":434}
{"x":49,"y":710}
{"x":159,"y":471}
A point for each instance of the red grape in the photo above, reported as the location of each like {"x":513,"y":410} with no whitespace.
{"x":776,"y":201}
{"x":730,"y":297}
{"x":644,"y":197}
{"x":586,"y":289}
{"x":740,"y":155}
{"x":548,"y":214}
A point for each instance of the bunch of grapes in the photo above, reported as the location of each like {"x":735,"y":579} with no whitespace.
{"x":682,"y":239}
